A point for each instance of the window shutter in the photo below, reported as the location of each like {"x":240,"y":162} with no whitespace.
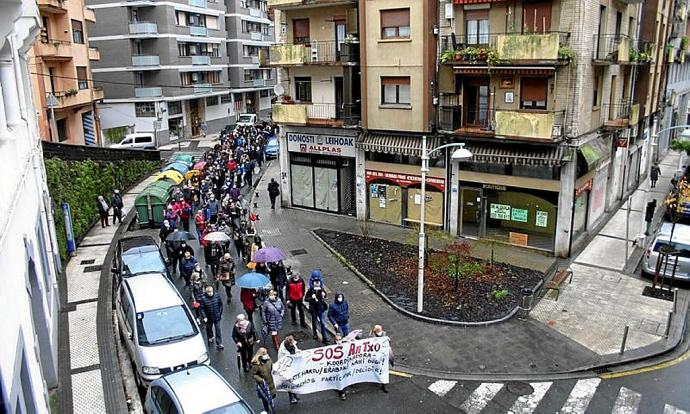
{"x":533,"y":89}
{"x":395,"y":80}
{"x":300,"y":28}
{"x":476,"y":14}
{"x":395,"y":18}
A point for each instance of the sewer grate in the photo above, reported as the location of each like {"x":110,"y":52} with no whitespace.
{"x":601,"y":370}
{"x":87,"y":262}
{"x":519,"y":388}
{"x":298,"y":252}
{"x":97,"y":268}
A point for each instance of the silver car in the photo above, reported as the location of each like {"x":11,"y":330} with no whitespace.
{"x":681,"y":244}
{"x":159,"y":332}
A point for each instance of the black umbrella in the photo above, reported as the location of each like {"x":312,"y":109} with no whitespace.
{"x":178,"y":235}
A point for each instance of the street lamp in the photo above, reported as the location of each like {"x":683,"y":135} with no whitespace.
{"x":459,"y":154}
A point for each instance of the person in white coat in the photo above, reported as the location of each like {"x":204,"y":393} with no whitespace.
{"x":289,"y":347}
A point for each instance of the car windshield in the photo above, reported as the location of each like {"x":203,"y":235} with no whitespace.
{"x":238,"y":407}
{"x":682,"y":248}
{"x":246,"y":118}
{"x":164,"y":325}
{"x":138,"y":262}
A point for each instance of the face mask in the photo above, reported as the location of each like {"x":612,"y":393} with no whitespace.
{"x":209,"y":293}
{"x":264,"y":358}
{"x":379,"y":334}
{"x":317,"y":287}
{"x":272,"y":298}
{"x":339,"y":300}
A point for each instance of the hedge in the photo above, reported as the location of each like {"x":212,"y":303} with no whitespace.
{"x":79,"y":183}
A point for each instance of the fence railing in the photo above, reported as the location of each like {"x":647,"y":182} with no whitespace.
{"x":146,"y":60}
{"x":616,"y":113}
{"x":143,"y":28}
{"x":460,"y":41}
{"x":314,"y":51}
{"x":611,"y":48}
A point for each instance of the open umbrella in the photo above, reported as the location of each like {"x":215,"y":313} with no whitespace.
{"x":178,"y":235}
{"x":252,"y":280}
{"x":269,"y":254}
{"x":200,"y":165}
{"x":217,"y":236}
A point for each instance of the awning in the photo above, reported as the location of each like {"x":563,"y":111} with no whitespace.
{"x":593,"y":151}
{"x":522,"y":155}
{"x":476,"y":1}
{"x":504,"y":70}
{"x":397,"y":144}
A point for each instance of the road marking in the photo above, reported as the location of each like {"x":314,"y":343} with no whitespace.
{"x":580,"y":396}
{"x":526,"y":404}
{"x":628,"y":402}
{"x":400,"y":374}
{"x":481,"y":397}
{"x":638,"y":371}
{"x":669,"y":409}
{"x":441,"y":387}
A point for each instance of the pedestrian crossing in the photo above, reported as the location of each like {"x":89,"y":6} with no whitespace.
{"x":562,"y":397}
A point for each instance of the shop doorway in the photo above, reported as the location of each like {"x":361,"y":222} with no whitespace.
{"x":323,"y":183}
{"x":252,"y":102}
{"x":470,"y":212}
{"x":194,"y":116}
{"x":477,"y":103}
{"x":385,"y":203}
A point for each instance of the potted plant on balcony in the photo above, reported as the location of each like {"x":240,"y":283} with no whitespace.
{"x":566,"y":53}
{"x":287,"y":100}
{"x":349,"y":50}
{"x":71,"y":92}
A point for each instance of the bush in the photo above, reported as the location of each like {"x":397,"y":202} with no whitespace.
{"x":79,"y":183}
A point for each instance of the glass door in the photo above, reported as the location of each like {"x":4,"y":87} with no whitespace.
{"x":477,"y":103}
{"x":470,"y":211}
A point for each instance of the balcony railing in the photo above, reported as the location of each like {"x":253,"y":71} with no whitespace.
{"x":89,"y":15}
{"x":257,"y":13}
{"x":315,"y":52}
{"x":148,"y":92}
{"x":94,"y":54}
{"x":198,"y":3}
{"x":198,"y":31}
{"x":258,"y":82}
{"x":527,"y":123}
{"x":52,"y":6}
{"x":72,"y":97}
{"x":508,"y":47}
{"x":641,"y":52}
{"x":254,"y":59}
{"x":143,"y":28}
{"x":328,"y":114}
{"x":201,"y":60}
{"x":55,"y":50}
{"x":203,"y":88}
{"x":620,"y":115}
{"x":256,"y":36}
{"x":611,"y":48}
{"x":98,"y":93}
{"x":146,"y":60}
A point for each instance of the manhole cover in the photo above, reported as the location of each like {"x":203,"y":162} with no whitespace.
{"x":298,"y":252}
{"x":87,"y":262}
{"x":88,"y":269}
{"x":519,"y":388}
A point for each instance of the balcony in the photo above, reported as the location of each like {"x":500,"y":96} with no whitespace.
{"x":256,"y":36}
{"x":143,"y":28}
{"x":254,"y":59}
{"x":611,"y":49}
{"x":198,"y":31}
{"x":297,"y":4}
{"x":97,"y":93}
{"x":89,"y":15}
{"x":534,"y":124}
{"x":619,"y":116}
{"x":146,"y":60}
{"x":641,"y":52}
{"x":52,"y":6}
{"x":148,"y":92}
{"x":55,"y":50}
{"x":203,"y":88}
{"x":198,"y":3}
{"x":534,"y":47}
{"x":94,"y":54}
{"x":201,"y":60}
{"x":319,"y":114}
{"x":72,"y":97}
{"x":258,"y":82}
{"x":257,"y":13}
{"x":322,"y":52}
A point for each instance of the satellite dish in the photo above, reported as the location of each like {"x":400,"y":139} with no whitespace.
{"x":278,"y":89}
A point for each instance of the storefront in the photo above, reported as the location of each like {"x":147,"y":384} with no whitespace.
{"x":322,"y":171}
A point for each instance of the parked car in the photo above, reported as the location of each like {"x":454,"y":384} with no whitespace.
{"x":199,"y":389}
{"x":246,"y":119}
{"x":680,"y":244}
{"x":159,"y":332}
{"x":272,"y":147}
{"x":139,"y":140}
{"x":139,"y":254}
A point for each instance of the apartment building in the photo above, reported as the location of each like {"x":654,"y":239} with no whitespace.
{"x":29,"y":262}
{"x":61,"y":74}
{"x":163,"y":66}
{"x":249,"y":31}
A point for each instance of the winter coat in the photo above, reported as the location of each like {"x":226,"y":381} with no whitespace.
{"x":211,"y":307}
{"x":187,"y":265}
{"x":296,"y":289}
{"x":228,"y":266}
{"x":273,"y":189}
{"x":116,"y":201}
{"x":262,"y":372}
{"x":318,"y":304}
{"x":272,"y":314}
{"x":339,"y":313}
{"x":244,"y":338}
{"x":102,"y":207}
{"x":247,"y":299}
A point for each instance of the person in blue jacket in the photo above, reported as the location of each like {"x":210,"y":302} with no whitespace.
{"x":339,"y":314}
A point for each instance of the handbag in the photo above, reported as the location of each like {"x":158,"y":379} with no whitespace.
{"x":196,"y":305}
{"x":223,"y":277}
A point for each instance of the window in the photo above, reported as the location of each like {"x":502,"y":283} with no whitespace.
{"x":175,"y":108}
{"x":263,"y":93}
{"x":196,"y":20}
{"x":303,"y":89}
{"x":595,"y":93}
{"x":224,"y":99}
{"x":212,"y":22}
{"x":395,"y":90}
{"x":211,"y":101}
{"x":536,"y":17}
{"x":82,"y":79}
{"x":145,"y":109}
{"x":213,"y":77}
{"x":61,"y":125}
{"x":239,"y":97}
{"x":395,"y":24}
{"x":477,"y":27}
{"x":77,"y":32}
{"x":533,"y":93}
{"x":300,"y":30}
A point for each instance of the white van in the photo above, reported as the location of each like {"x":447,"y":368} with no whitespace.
{"x":138,"y":140}
{"x":159,"y":332}
{"x":246,"y":119}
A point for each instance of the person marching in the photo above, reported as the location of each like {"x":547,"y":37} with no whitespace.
{"x":289,"y":347}
{"x":261,"y":372}
{"x":226,"y":274}
{"x":244,"y":335}
{"x":316,"y":298}
{"x":272,"y":312}
{"x":339,"y":314}
{"x":296,"y":290}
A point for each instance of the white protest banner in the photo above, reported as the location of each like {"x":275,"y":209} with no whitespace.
{"x":333,"y":367}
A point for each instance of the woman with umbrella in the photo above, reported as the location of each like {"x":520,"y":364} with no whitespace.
{"x":250,"y":283}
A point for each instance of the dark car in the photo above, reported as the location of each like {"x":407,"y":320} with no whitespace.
{"x":137,"y":255}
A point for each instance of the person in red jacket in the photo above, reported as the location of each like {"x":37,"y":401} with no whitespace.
{"x":247,"y":297}
{"x":184,"y":211}
{"x":200,"y":221}
{"x":295,"y":295}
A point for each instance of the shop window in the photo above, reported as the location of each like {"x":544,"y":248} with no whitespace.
{"x":395,"y":24}
{"x":77,"y":32}
{"x":225,"y":99}
{"x":477,"y":27}
{"x":61,"y":125}
{"x":300,"y":31}
{"x":303,"y":89}
{"x":145,"y":109}
{"x":395,"y":90}
{"x":175,"y":108}
{"x":82,"y":78}
{"x":533,"y":93}
{"x":212,"y":101}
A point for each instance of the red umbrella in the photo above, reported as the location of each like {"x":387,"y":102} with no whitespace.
{"x":200,"y":165}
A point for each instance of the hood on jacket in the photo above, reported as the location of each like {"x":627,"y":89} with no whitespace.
{"x":315,"y":275}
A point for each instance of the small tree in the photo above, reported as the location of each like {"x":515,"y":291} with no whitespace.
{"x":681,"y":145}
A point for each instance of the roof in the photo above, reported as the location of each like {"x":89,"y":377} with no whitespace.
{"x":396,"y":144}
{"x":515,"y":154}
{"x":152,"y":291}
{"x":201,"y":380}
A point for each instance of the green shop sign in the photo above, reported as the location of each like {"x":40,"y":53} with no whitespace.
{"x":499,"y":211}
{"x":518,"y":214}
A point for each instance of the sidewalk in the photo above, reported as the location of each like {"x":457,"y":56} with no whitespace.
{"x":83,"y":369}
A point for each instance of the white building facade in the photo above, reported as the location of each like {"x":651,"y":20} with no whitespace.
{"x":29,"y":262}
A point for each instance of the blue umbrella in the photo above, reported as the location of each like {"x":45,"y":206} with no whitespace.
{"x":252,"y":280}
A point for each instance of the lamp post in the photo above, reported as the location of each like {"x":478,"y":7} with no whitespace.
{"x":459,"y":154}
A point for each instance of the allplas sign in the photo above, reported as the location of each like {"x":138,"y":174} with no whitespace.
{"x":321,"y":144}
{"x":405,"y":180}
